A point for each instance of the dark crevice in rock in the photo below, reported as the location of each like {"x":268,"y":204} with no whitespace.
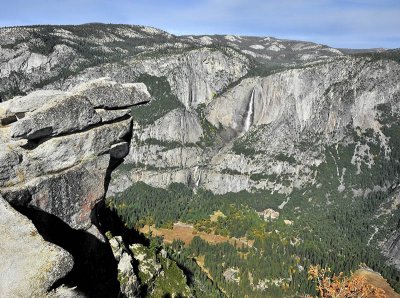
{"x":122,"y":118}
{"x":20,"y":115}
{"x":128,"y":137}
{"x":8,"y":120}
{"x":114,"y":162}
{"x":30,"y":145}
{"x":12,"y":118}
{"x":122,"y":107}
{"x":37,"y":135}
{"x":190,"y":96}
{"x":95,"y":269}
{"x":34,"y":143}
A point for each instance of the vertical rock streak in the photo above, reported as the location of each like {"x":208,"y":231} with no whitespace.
{"x":249,"y":112}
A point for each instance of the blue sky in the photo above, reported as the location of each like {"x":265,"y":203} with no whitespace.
{"x":340,"y":23}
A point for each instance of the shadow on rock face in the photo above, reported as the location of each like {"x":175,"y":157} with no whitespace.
{"x":108,"y":220}
{"x":95,"y":269}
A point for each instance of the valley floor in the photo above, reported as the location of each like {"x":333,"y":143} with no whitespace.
{"x":186,"y":233}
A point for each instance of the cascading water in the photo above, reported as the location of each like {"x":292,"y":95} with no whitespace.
{"x":195,"y":172}
{"x":249,"y":113}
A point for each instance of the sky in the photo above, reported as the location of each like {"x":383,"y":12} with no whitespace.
{"x":337,"y":23}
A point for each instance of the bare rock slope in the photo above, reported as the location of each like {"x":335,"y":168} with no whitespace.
{"x":29,"y":265}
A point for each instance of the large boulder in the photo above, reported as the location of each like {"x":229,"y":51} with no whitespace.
{"x":29,"y":265}
{"x":65,"y":114}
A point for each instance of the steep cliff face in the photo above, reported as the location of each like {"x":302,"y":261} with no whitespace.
{"x":320,"y":104}
{"x":314,"y":98}
{"x":317,"y":105}
{"x":56,"y":151}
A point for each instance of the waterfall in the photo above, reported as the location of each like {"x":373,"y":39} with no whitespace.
{"x":249,"y":112}
{"x":197,"y":182}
